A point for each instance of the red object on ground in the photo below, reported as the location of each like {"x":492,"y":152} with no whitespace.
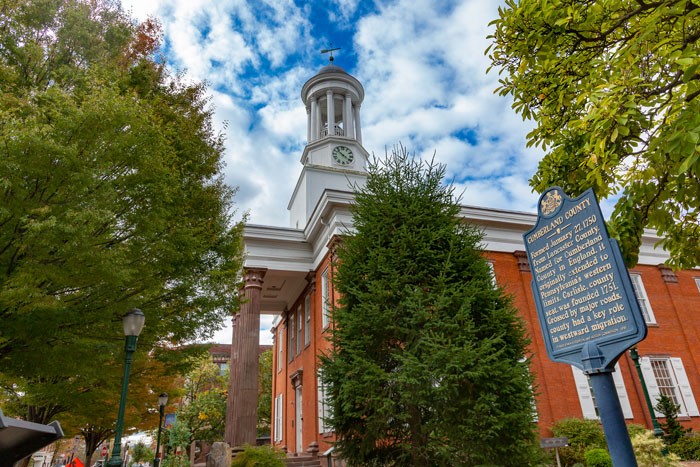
{"x":75,"y":463}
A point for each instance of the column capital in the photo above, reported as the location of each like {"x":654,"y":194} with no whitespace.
{"x":311,"y":279}
{"x":523,"y":264}
{"x":253,"y":277}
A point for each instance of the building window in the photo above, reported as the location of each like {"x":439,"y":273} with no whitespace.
{"x":290,"y":335}
{"x":300,"y":324}
{"x":324,"y":299}
{"x":697,"y":282}
{"x":307,"y":319}
{"x":223,"y":368}
{"x":324,"y":407}
{"x":280,"y":346}
{"x":642,"y":298}
{"x":589,"y":407}
{"x":666,"y":375}
{"x":493,"y":273}
{"x":279,"y":407}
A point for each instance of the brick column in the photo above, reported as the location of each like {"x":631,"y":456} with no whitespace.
{"x":242,"y":407}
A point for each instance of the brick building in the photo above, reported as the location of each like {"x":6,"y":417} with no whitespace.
{"x":289,"y":271}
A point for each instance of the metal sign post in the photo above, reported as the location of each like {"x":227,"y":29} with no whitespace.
{"x":555,"y":443}
{"x":585,"y":302}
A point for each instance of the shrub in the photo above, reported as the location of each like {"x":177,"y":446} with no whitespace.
{"x":647,"y":450}
{"x":598,"y":458}
{"x":634,"y":429}
{"x":583,"y":435}
{"x":687,"y":447}
{"x":259,"y":456}
{"x":673,"y":429}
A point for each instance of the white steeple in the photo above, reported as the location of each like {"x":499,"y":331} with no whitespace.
{"x":333,"y":157}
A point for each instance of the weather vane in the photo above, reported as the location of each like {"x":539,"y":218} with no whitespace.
{"x":331,"y":50}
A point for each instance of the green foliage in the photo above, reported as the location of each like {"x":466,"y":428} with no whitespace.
{"x":141,"y":453}
{"x":112,"y":198}
{"x":633,"y":429}
{"x":687,"y":447}
{"x":259,"y":456}
{"x":265,"y":393}
{"x":583,"y":435}
{"x":648,"y":451}
{"x":614,"y":89}
{"x":598,"y":458}
{"x":204,"y":403}
{"x":673,"y":430}
{"x":427,"y":365}
{"x":180,"y":436}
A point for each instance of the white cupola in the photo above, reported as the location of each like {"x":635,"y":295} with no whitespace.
{"x":333,"y":157}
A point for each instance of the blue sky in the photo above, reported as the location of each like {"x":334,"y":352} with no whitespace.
{"x":422,"y":65}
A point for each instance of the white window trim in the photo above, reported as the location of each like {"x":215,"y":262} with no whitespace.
{"x":688,"y":407}
{"x":323,"y":405}
{"x":280,"y":347}
{"x":300,"y":324}
{"x":307,"y":320}
{"x":279,"y":407}
{"x":493,"y":273}
{"x":585,"y":393}
{"x":697,"y":282}
{"x":325,"y":305}
{"x":642,"y":298}
{"x":291,"y":332}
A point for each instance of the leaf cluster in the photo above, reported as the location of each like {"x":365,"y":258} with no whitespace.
{"x":614,"y":89}
{"x":112,"y":198}
{"x":427,"y":366}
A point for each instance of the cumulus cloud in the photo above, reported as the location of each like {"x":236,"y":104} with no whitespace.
{"x":421,"y":63}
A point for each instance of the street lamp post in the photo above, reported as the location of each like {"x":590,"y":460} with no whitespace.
{"x":133,"y":324}
{"x":162,"y":401}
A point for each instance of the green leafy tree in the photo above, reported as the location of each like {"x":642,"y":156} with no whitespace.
{"x":179,"y":436}
{"x":141,"y":453}
{"x":673,"y":430}
{"x":427,"y":364}
{"x":112,"y":198}
{"x":613,"y":88}
{"x":265,"y":392}
{"x":203,"y":408}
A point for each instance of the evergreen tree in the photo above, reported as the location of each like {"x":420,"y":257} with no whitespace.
{"x":427,"y":364}
{"x":673,"y":430}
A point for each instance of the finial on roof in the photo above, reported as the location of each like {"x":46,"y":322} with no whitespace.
{"x":330,"y":49}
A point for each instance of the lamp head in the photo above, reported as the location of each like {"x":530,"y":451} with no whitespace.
{"x":163,"y":399}
{"x":133,"y":322}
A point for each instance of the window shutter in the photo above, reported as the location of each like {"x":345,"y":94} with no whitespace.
{"x":650,"y":382}
{"x":319,"y":387}
{"x":584,"y":394}
{"x":622,"y":392}
{"x":684,"y":387}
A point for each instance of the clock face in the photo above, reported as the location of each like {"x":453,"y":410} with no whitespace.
{"x":342,"y":155}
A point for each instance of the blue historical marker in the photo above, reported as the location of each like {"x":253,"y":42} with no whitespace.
{"x":588,"y":312}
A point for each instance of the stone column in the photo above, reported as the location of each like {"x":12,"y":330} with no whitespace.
{"x":330,"y":108}
{"x":314,"y":120}
{"x":232,"y":378}
{"x":308,"y":125}
{"x":242,"y":410}
{"x":347,"y":116}
{"x":358,"y":132}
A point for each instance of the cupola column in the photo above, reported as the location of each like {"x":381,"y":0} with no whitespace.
{"x":308,"y":125}
{"x":313,"y":126}
{"x":331,"y":113}
{"x":347,"y":116}
{"x":358,"y":132}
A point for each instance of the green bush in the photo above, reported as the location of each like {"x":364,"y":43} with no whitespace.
{"x":634,"y":429}
{"x":598,"y":458}
{"x":647,"y":450}
{"x":687,"y":447}
{"x":583,"y":435}
{"x":259,"y":456}
{"x":672,"y":428}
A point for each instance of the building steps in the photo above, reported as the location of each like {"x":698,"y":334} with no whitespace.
{"x":303,"y":461}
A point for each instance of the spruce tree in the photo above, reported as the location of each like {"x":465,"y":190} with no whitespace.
{"x":427,"y":366}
